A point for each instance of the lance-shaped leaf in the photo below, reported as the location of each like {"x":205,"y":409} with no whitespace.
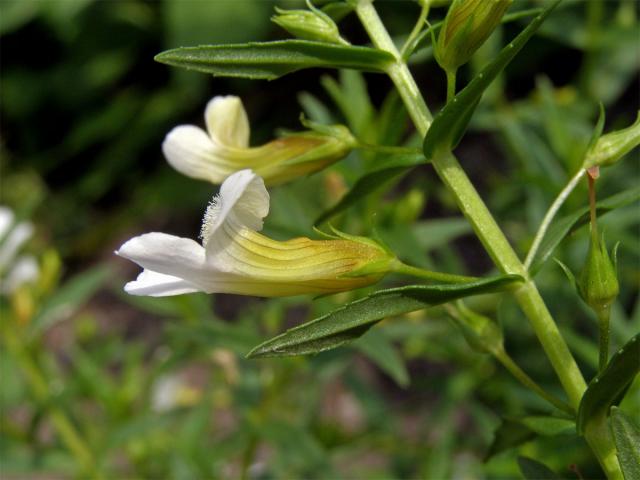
{"x":515,"y":431}
{"x":352,"y":320}
{"x":450,"y":123}
{"x":534,"y":470}
{"x":372,"y":181}
{"x":626,"y":434}
{"x":564,"y":226}
{"x":609,"y":386}
{"x":270,"y":60}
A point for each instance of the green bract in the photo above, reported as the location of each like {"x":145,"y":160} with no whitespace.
{"x":609,"y":148}
{"x":598,"y":282}
{"x":310,"y":24}
{"x":467,"y":26}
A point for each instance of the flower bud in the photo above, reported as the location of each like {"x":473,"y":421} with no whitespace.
{"x":466,"y":27}
{"x":481,"y":333}
{"x":310,"y":24}
{"x":598,"y":282}
{"x":609,"y":148}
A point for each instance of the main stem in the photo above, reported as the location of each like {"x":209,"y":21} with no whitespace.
{"x":483,"y":223}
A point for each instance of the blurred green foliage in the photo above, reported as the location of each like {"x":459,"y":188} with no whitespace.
{"x":160,"y":388}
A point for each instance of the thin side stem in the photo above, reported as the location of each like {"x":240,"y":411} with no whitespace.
{"x":549,"y":216}
{"x":410,"y":44}
{"x":451,"y":84}
{"x":389,"y":149}
{"x":430,"y":275}
{"x":515,"y":370}
{"x":603,"y":327}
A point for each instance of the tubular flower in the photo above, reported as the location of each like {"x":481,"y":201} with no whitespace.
{"x":223,"y":149}
{"x":235,"y":258}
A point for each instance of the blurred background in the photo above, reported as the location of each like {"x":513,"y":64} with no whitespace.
{"x":98,"y":383}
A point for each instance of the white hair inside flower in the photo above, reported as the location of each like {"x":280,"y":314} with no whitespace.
{"x":235,"y":258}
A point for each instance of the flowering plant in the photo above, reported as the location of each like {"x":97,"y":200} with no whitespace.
{"x":338,"y":225}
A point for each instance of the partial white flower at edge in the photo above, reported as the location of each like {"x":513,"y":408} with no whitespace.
{"x":235,"y":258}
{"x":15,"y":271}
{"x":223,"y":149}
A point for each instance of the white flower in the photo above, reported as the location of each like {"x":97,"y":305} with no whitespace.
{"x":235,"y":258}
{"x":19,"y":270}
{"x":223,"y":149}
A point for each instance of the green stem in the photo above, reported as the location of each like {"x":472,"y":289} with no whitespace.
{"x":405,"y":269}
{"x":410,"y":44}
{"x":451,"y":84}
{"x":36,"y":380}
{"x":483,"y":223}
{"x":603,"y":326}
{"x":507,"y":362}
{"x":392,"y":150}
{"x":549,"y":216}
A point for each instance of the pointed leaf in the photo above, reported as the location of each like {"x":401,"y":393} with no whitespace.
{"x":510,"y":434}
{"x":626,"y":435}
{"x":564,"y":226}
{"x":610,"y":385}
{"x":372,"y":181}
{"x":534,"y":470}
{"x":381,"y":351}
{"x":270,"y":60}
{"x":354,"y":319}
{"x":449,"y":125}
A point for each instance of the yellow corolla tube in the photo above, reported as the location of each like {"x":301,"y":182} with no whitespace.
{"x":223,"y":149}
{"x":235,"y":258}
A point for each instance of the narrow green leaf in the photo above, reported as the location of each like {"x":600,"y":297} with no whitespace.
{"x":564,"y":226}
{"x":354,"y":319}
{"x":535,"y":470}
{"x":379,"y":349}
{"x":270,"y":60}
{"x":68,"y":298}
{"x":549,"y":426}
{"x":510,"y":434}
{"x":626,"y":435}
{"x":608,"y":387}
{"x":513,"y":432}
{"x":372,"y":181}
{"x":450,"y":123}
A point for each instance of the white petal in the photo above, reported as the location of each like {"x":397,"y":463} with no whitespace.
{"x":243,"y":202}
{"x":13,"y":241}
{"x":227,"y":121}
{"x":191,"y":151}
{"x":157,"y":284}
{"x":170,"y":255}
{"x":24,"y":270}
{"x":6,"y":220}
